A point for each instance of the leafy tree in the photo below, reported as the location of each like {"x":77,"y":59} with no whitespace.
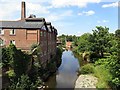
{"x":15,"y":59}
{"x":83,"y":43}
{"x":99,"y":40}
{"x":115,"y":65}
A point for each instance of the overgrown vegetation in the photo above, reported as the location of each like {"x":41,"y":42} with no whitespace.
{"x":16,"y":65}
{"x":25,"y":70}
{"x":104,"y":54}
{"x":87,"y":69}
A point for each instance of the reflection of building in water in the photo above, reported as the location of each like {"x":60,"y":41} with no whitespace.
{"x":59,"y":41}
{"x":68,"y":44}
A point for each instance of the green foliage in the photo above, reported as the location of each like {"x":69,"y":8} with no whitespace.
{"x":87,"y":69}
{"x":104,"y":49}
{"x":103,"y":61}
{"x":35,"y":49}
{"x":33,"y":46}
{"x":11,"y":73}
{"x":15,"y":59}
{"x":100,"y":40}
{"x":103,"y":75}
{"x":7,"y":60}
{"x":83,"y":43}
{"x":115,"y":63}
{"x":21,"y":61}
{"x":65,"y":38}
{"x":23,"y":83}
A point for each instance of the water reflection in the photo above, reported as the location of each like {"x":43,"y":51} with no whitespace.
{"x":67,"y":73}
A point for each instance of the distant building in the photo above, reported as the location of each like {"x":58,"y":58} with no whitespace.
{"x":68,"y":44}
{"x":28,"y":31}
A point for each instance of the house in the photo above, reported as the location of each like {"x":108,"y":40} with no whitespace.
{"x":28,"y":31}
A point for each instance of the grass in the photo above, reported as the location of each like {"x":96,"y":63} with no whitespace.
{"x":103,"y":76}
{"x":100,"y":72}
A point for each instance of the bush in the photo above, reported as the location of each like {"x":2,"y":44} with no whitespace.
{"x":24,"y":83}
{"x":103,"y":61}
{"x":103,"y":75}
{"x":87,"y":69}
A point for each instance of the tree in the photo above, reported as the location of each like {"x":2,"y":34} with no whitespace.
{"x":16,"y":60}
{"x":83,"y":43}
{"x":115,"y":68}
{"x":99,"y":40}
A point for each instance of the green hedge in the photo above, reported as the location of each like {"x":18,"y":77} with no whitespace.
{"x":87,"y":69}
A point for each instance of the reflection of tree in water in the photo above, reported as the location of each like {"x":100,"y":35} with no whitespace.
{"x":80,"y":59}
{"x":51,"y":83}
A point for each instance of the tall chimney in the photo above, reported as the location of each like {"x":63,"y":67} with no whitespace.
{"x":23,"y":10}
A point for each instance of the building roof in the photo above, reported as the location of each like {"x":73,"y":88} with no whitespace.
{"x":21,"y":24}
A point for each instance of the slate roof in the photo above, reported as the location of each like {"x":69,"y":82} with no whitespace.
{"x":21,"y":24}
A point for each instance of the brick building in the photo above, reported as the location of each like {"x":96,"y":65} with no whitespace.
{"x":28,"y":31}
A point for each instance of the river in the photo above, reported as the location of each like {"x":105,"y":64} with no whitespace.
{"x":66,"y":74}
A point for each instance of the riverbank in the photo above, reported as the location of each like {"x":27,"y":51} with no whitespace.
{"x":86,"y":81}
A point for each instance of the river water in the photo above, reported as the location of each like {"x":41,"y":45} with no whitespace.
{"x":66,"y":75}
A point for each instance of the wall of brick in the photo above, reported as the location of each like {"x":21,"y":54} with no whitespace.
{"x":24,"y":38}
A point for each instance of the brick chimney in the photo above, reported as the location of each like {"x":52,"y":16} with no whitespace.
{"x":23,"y":11}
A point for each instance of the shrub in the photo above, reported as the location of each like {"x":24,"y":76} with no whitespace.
{"x":103,"y":75}
{"x":87,"y":69}
{"x":24,"y":83}
{"x":103,"y":61}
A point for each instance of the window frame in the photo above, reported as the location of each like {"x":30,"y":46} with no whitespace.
{"x":13,"y":30}
{"x":2,"y":42}
{"x":1,"y":31}
{"x":12,"y":42}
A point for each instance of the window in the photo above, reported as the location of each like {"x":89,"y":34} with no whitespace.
{"x":1,"y":42}
{"x":1,"y":31}
{"x":12,"y":32}
{"x":12,"y":42}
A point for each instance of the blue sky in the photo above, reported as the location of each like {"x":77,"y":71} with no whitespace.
{"x":72,"y":17}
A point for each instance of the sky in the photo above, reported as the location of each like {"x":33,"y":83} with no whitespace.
{"x":70,"y":17}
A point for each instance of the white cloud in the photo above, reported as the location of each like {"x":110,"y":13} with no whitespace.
{"x":58,"y":16}
{"x":80,"y":14}
{"x":87,"y":13}
{"x":36,"y":8}
{"x":98,"y":21}
{"x":7,"y":10}
{"x":66,"y":3}
{"x":40,"y":1}
{"x":115,"y":4}
{"x":103,"y":21}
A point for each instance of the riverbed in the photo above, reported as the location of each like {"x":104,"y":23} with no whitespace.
{"x":66,"y":74}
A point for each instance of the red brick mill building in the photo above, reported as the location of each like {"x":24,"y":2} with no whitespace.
{"x":28,"y":31}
